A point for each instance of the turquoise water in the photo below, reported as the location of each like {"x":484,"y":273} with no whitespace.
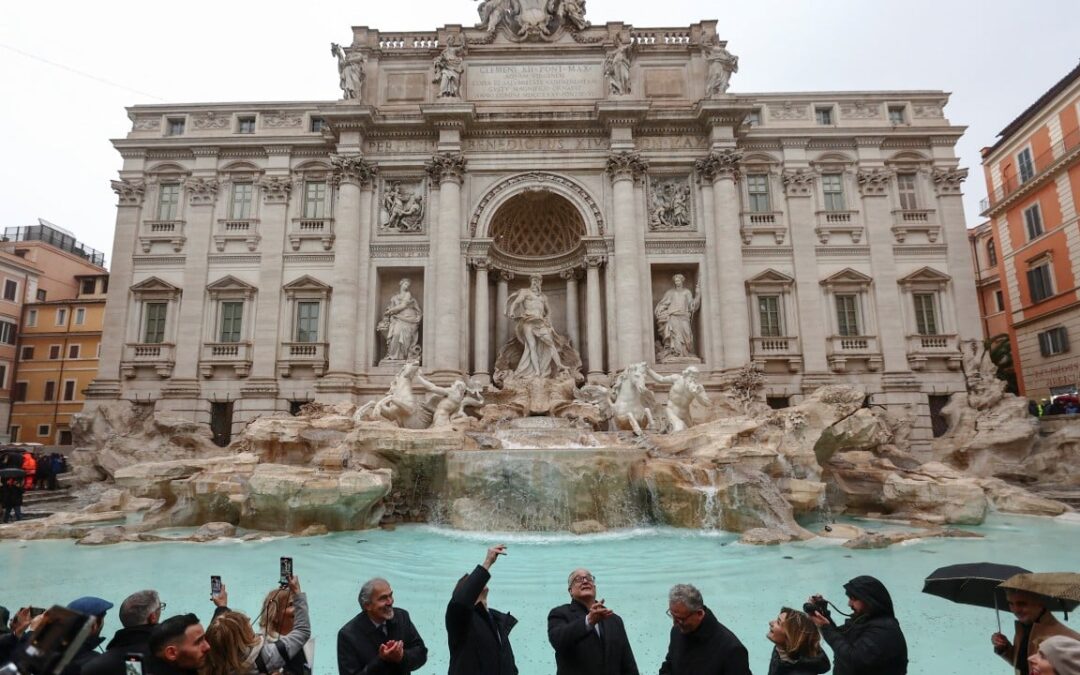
{"x":745,"y":586}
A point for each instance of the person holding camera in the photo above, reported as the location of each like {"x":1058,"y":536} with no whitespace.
{"x":796,"y":645}
{"x":478,"y":636}
{"x":1034,"y":623}
{"x":870,"y":642}
{"x":277,"y":621}
{"x":699,"y":643}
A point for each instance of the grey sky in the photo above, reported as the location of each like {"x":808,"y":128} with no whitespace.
{"x":995,"y":56}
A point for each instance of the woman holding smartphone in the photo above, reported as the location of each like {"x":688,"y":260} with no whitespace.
{"x":235,"y":649}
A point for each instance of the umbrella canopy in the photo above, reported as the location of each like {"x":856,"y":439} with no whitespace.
{"x":972,"y":583}
{"x":1059,"y":590}
{"x":12,"y":473}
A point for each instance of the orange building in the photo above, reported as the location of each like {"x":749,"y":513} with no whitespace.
{"x":59,"y":346}
{"x":1033,"y":181}
{"x":984,"y":253}
{"x":18,"y":285}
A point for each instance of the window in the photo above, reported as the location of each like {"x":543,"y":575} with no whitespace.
{"x":80,"y":316}
{"x":105,"y":284}
{"x":769,"y":315}
{"x":1033,"y":221}
{"x":232,"y":313}
{"x":905,"y":184}
{"x":245,"y":125}
{"x":317,"y":124}
{"x":3,"y":376}
{"x":27,"y":353}
{"x":307,"y":322}
{"x":50,"y":391}
{"x":1040,"y":282}
{"x":13,"y":433}
{"x":44,"y":430}
{"x":991,"y":253}
{"x":31,"y":318}
{"x":154,"y":324}
{"x":823,"y":116}
{"x":54,"y":352}
{"x":174,"y":126}
{"x":168,"y":201}
{"x":999,"y":300}
{"x":757,"y":186}
{"x":1054,"y":341}
{"x":89,"y":286}
{"x":753,"y":118}
{"x":61,"y":316}
{"x":42,"y":294}
{"x":73,"y":351}
{"x":221,"y":416}
{"x":832,"y":185}
{"x":18,"y":394}
{"x":11,"y":290}
{"x":315,"y":199}
{"x":240,"y":207}
{"x":69,"y":390}
{"x":925,"y":313}
{"x":7,"y":332}
{"x":896,"y":114}
{"x":65,"y":437}
{"x":1025,"y":165}
{"x":847,"y":315}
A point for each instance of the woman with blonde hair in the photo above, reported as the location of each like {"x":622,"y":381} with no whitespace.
{"x":235,"y":649}
{"x":796,"y":645}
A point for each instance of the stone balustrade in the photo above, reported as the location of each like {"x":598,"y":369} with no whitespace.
{"x":309,"y":354}
{"x":159,"y":356}
{"x":236,"y":355}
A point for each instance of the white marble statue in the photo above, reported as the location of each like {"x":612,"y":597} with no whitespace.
{"x":453,"y":402}
{"x":401,"y":324}
{"x":400,"y":405}
{"x":528,"y":308}
{"x":350,"y":72}
{"x":685,"y":389}
{"x":722,"y":64}
{"x":674,"y":316}
{"x":448,"y":68}
{"x":569,"y":12}
{"x":404,"y":210}
{"x":494,"y":13}
{"x":670,"y":206}
{"x":631,"y":400}
{"x":617,"y":69}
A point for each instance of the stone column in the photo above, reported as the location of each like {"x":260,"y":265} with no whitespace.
{"x":448,"y":171}
{"x":722,"y":167}
{"x":624,"y":168}
{"x":594,"y":322}
{"x":947,"y":184}
{"x":877,"y":218}
{"x":273,"y":226}
{"x":573,"y":333}
{"x":813,"y":331}
{"x":502,"y":294}
{"x":351,"y":173}
{"x":199,"y":218}
{"x":481,"y":355}
{"x":712,"y":349}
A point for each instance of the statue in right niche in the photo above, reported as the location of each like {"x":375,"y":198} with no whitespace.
{"x":400,"y":324}
{"x":674,"y":321}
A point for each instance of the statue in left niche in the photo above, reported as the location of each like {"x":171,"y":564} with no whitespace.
{"x":350,"y":71}
{"x":400,"y":325}
{"x":448,"y":68}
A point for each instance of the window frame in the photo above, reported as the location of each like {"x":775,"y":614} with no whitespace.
{"x":14,"y":286}
{"x":1054,"y":341}
{"x":991,"y":253}
{"x":1033,"y":216}
{"x":93,"y":286}
{"x":999,"y":300}
{"x":48,"y":391}
{"x":897,"y":114}
{"x":770,"y":331}
{"x":80,"y":316}
{"x":298,"y":332}
{"x":162,"y":321}
{"x":3,"y":375}
{"x":927,"y":321}
{"x":236,"y":332}
{"x":31,"y":318}
{"x":907,"y":190}
{"x":26,"y":353}
{"x":829,"y":197}
{"x":74,"y":351}
{"x":47,"y":430}
{"x":243,"y":122}
{"x":758,"y":201}
{"x":19,"y":391}
{"x":1021,"y":156}
{"x":824,"y":115}
{"x":316,"y":208}
{"x":55,"y":352}
{"x":67,"y":397}
{"x":175,"y":126}
{"x":855,"y":310}
{"x":246,"y":210}
{"x":9,"y":332}
{"x":1043,"y":270}
{"x":316,"y":121}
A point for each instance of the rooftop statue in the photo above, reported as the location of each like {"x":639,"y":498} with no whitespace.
{"x":350,"y":71}
{"x":617,"y":68}
{"x":448,"y":68}
{"x":722,"y":64}
{"x":531,"y":19}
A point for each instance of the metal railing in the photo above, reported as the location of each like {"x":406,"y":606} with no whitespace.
{"x":1042,"y":163}
{"x":54,"y":237}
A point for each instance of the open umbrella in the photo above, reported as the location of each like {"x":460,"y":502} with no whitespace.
{"x":1060,"y":591}
{"x":972,"y":584}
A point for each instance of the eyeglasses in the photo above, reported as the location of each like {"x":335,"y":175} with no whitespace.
{"x":161,"y":607}
{"x":681,"y":619}
{"x":582,"y":578}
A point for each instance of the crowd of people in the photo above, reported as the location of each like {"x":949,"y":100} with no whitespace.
{"x":1068,"y":404}
{"x":587,"y":637}
{"x":22,"y":470}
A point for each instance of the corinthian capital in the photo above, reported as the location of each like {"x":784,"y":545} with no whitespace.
{"x":130,"y":192}
{"x":202,"y":190}
{"x":626,"y":164}
{"x":797,"y":182}
{"x":446,"y":166}
{"x":719,"y":164}
{"x":353,"y":168}
{"x":948,"y":181}
{"x":873,"y":182}
{"x":276,"y":189}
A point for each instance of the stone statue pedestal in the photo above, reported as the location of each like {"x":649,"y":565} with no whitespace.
{"x":680,"y":360}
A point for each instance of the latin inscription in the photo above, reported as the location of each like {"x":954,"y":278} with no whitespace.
{"x":532,"y":81}
{"x":533,"y":144}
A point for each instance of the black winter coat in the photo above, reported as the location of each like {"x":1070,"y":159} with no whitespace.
{"x":806,"y":665}
{"x":134,"y":640}
{"x":478,"y":646}
{"x":86,"y":653}
{"x":580,"y":651}
{"x":358,"y":646}
{"x":870,"y":643}
{"x":712,"y":649}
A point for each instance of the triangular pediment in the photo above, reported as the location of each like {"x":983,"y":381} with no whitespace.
{"x":154,"y":285}
{"x":771,"y":276}
{"x":306,"y":283}
{"x":926,"y":275}
{"x":848,"y":276}
{"x":230,"y":283}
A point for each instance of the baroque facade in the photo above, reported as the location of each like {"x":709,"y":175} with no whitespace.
{"x":262,"y":250}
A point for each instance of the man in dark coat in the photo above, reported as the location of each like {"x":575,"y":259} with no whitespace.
{"x":479,"y":637}
{"x":177,"y":646}
{"x":870,"y":642}
{"x":589,"y":638}
{"x":380,"y":639}
{"x":95,"y":608}
{"x":699,"y":644}
{"x":139,"y":613}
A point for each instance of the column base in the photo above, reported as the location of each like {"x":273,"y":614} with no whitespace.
{"x":336,"y":383}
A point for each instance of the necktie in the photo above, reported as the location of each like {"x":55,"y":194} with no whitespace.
{"x":385,"y":630}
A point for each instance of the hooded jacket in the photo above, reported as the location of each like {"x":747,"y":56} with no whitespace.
{"x":804,"y":665}
{"x":869,"y":643}
{"x":712,"y":649}
{"x":134,"y":640}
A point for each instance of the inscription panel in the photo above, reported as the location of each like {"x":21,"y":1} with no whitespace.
{"x":531,"y":81}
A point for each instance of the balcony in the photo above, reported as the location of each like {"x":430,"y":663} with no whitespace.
{"x":170,"y":231}
{"x":159,"y":356}
{"x":1045,"y":166}
{"x":235,"y":355}
{"x":321,"y":229}
{"x":832,"y":223}
{"x":776,"y":349}
{"x":844,"y":348}
{"x":922,"y":348}
{"x":302,"y":354}
{"x":244,"y":229}
{"x":908,"y":221}
{"x":763,"y":222}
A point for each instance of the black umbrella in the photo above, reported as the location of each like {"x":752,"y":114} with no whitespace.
{"x":972,"y":584}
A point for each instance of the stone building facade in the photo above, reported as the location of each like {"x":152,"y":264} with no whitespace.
{"x":819,"y":235}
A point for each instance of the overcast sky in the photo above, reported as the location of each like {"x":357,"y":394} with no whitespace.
{"x":995,"y":56}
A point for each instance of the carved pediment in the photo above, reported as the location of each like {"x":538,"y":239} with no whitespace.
{"x":154,"y":285}
{"x":926,"y":276}
{"x":770,"y":277}
{"x":306,"y":283}
{"x":847,"y":277}
{"x":230,"y":285}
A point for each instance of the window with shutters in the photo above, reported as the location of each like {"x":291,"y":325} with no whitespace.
{"x":1025,"y":165}
{"x":69,"y":390}
{"x":50,"y":391}
{"x":905,"y":183}
{"x":232,"y":313}
{"x":832,"y":187}
{"x":847,"y":314}
{"x":154,"y":322}
{"x":926,"y":322}
{"x":11,"y":290}
{"x":74,"y":351}
{"x":1054,"y":341}
{"x":54,"y":352}
{"x":1033,"y":221}
{"x":1040,"y":281}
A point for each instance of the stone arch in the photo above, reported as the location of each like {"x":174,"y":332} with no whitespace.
{"x":167,"y":168}
{"x":588,"y":208}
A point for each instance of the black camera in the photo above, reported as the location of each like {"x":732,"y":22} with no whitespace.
{"x":817,"y":604}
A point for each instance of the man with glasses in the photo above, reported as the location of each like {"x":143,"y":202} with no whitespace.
{"x":589,"y":638}
{"x":139,"y":613}
{"x":700,"y":645}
